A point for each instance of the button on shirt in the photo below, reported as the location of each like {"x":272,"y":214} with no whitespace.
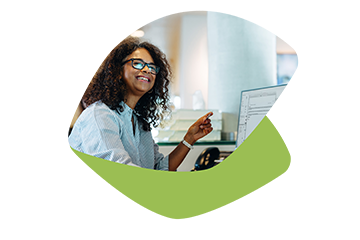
{"x":109,"y":134}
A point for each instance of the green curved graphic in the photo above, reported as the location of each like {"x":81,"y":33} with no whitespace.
{"x":261,"y":158}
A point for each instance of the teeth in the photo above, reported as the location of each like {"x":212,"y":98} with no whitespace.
{"x":142,"y":78}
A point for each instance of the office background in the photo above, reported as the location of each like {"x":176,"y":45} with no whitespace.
{"x":219,"y":53}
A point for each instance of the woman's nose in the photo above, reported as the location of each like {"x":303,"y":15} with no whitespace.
{"x":146,"y":69}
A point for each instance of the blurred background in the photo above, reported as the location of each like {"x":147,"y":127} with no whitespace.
{"x":214,"y":57}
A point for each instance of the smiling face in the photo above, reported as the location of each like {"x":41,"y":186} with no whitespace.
{"x":138,"y":82}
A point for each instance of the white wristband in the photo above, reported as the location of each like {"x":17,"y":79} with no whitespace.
{"x":187,"y":144}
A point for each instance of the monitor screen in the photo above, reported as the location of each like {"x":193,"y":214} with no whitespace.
{"x":254,"y":105}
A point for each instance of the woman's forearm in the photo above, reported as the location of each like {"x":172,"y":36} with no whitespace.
{"x":177,"y":156}
{"x":199,"y":129}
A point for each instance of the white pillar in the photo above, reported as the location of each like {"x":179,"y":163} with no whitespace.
{"x":193,"y":74}
{"x":242,"y":55}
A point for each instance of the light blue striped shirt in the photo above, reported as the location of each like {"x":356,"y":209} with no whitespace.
{"x":108,"y":134}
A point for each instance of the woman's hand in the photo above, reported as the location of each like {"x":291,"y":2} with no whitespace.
{"x":199,"y":129}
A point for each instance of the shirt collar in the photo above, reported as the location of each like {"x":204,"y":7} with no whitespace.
{"x":126,"y":108}
{"x":128,"y":111}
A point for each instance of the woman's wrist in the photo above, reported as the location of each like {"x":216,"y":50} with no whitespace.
{"x":189,"y":139}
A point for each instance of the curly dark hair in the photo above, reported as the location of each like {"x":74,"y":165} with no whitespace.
{"x":107,"y":84}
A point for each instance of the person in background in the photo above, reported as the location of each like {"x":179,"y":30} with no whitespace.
{"x":129,"y":95}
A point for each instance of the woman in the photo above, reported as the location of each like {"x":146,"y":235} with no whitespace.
{"x":127,"y":96}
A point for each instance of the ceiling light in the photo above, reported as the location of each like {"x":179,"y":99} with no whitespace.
{"x":138,"y":33}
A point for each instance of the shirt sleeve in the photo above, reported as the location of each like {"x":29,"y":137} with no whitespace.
{"x":101,"y":137}
{"x":161,"y":162}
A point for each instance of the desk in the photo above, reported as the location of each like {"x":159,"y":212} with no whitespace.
{"x":188,"y":163}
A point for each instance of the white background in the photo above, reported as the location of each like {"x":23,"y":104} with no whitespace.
{"x":50,"y":51}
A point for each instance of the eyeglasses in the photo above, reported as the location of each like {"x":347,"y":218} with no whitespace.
{"x":140,"y":64}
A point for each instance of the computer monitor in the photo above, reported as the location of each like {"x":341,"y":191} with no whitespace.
{"x":254,"y":105}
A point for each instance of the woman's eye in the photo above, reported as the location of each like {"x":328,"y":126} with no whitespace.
{"x":138,"y":65}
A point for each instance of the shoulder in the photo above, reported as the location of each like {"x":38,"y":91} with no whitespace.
{"x":98,"y":107}
{"x":98,"y":111}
